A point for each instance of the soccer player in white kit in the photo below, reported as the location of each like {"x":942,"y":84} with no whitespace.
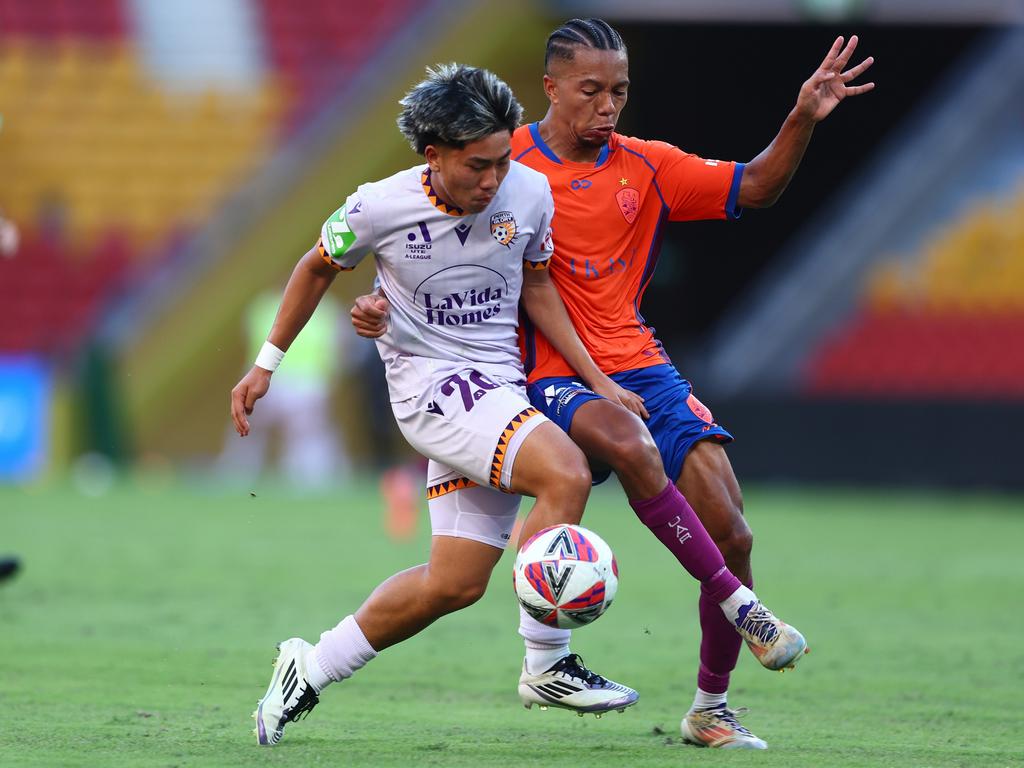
{"x":458,"y":242}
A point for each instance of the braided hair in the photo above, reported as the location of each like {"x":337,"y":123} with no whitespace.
{"x":589,"y":33}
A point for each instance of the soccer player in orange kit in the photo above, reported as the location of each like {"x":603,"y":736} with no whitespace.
{"x":613,"y":196}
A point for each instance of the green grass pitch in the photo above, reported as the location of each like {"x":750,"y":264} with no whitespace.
{"x":141,"y":633}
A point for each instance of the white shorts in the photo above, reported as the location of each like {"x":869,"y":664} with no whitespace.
{"x":465,"y":510}
{"x":469,"y":423}
{"x":470,"y":427}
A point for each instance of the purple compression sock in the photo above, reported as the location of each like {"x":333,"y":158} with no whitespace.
{"x":671,"y":518}
{"x":719,"y":646}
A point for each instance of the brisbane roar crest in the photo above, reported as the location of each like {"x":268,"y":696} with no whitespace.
{"x":629,"y":203}
{"x":503,"y":228}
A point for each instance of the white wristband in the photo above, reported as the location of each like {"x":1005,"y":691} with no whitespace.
{"x":269,"y":357}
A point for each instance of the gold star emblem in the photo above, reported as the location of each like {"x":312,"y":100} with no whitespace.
{"x":623,"y":182}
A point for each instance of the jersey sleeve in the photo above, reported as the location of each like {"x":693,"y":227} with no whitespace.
{"x":347,"y":235}
{"x":540,"y":249}
{"x":694,"y":188}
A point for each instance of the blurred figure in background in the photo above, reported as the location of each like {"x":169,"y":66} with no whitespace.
{"x":8,"y":232}
{"x":8,"y":247}
{"x":402,"y":472}
{"x":8,"y":237}
{"x":299,"y":406}
{"x":8,"y":567}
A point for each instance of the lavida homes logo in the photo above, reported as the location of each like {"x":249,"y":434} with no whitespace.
{"x":462,"y":295}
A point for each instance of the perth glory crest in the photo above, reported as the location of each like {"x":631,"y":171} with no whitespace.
{"x":503,"y":228}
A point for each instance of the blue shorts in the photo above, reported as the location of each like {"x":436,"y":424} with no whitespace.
{"x":677,"y":418}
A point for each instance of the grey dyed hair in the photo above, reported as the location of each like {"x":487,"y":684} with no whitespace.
{"x":455,"y":105}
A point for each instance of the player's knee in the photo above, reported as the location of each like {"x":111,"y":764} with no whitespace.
{"x":737,"y":544}
{"x":455,"y":594}
{"x":572,"y":480}
{"x":636,"y":455}
{"x":469,"y":593}
{"x":569,"y":476}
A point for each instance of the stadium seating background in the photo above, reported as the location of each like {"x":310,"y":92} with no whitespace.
{"x":113,"y":179}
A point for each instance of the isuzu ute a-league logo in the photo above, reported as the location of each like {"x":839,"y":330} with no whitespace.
{"x":503,"y":228}
{"x":418,"y":245}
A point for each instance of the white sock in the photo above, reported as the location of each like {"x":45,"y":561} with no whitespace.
{"x":732,"y":604}
{"x":705,"y":700}
{"x":544,"y":645}
{"x":340,"y":653}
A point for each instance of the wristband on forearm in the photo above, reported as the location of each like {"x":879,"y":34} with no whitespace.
{"x":269,"y":357}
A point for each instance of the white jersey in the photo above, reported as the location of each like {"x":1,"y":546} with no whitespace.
{"x":453,"y":279}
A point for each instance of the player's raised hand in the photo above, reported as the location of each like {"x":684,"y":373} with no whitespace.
{"x":631,"y":401}
{"x":251,"y":388}
{"x":370,"y":315}
{"x":828,"y":85}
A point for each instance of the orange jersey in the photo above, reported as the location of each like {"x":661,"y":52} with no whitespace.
{"x":609,"y":221}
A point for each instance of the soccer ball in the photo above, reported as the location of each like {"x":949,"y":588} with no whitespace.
{"x":565,"y":576}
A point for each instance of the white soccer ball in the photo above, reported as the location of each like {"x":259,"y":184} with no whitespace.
{"x":565,"y":576}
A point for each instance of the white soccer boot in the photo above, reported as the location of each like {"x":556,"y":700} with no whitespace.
{"x":718,"y":727}
{"x":570,"y":685}
{"x":289,"y":696}
{"x":776,"y":645}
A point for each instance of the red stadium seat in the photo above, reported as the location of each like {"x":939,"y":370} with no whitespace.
{"x":923,"y":353}
{"x":99,"y":172}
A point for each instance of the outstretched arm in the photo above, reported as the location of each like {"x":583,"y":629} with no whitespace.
{"x":307,"y":285}
{"x":767,"y":175}
{"x":542,"y":303}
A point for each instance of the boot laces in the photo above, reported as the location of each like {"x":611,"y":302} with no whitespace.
{"x":572,"y":666}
